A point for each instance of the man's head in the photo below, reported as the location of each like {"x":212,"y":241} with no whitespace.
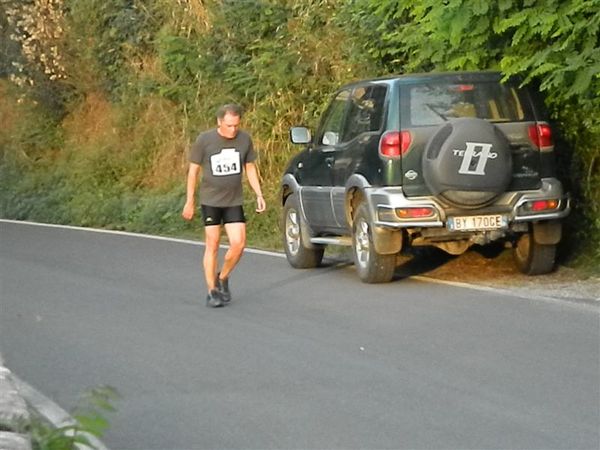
{"x":228,"y":120}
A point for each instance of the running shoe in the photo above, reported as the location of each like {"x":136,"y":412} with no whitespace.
{"x":223,"y":288}
{"x":213,"y":299}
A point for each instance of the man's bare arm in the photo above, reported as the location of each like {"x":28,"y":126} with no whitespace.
{"x":254,"y":181}
{"x":192,"y":181}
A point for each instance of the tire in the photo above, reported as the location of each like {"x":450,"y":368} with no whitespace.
{"x":371,"y":266}
{"x":532,"y":258}
{"x":298,"y":253}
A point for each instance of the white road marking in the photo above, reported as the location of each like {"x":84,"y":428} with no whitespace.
{"x":138,"y":235}
{"x":561,"y":301}
{"x":514,"y":293}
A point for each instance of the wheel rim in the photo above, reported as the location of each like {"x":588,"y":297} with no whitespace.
{"x":292,"y":231}
{"x":362,"y":243}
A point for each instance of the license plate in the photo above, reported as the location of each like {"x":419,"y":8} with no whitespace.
{"x":470,"y":223}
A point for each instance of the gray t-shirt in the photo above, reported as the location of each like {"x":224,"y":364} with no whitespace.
{"x":222,"y":162}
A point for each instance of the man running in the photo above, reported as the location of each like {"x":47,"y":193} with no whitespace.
{"x":219,"y":156}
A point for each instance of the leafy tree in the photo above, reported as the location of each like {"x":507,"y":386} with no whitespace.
{"x":106,"y":40}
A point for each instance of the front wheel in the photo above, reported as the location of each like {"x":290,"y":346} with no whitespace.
{"x":300,"y":254}
{"x":532,"y":258}
{"x":372,"y":267}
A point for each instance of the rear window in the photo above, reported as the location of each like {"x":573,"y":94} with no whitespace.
{"x":434,"y":103}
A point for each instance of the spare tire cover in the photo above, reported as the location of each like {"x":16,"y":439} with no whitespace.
{"x":467,"y":162}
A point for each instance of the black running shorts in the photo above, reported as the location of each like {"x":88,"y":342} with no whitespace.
{"x":214,"y":215}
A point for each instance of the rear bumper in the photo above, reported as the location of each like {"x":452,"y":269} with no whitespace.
{"x":386,"y":202}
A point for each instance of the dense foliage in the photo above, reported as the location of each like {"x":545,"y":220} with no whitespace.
{"x":100,"y":103}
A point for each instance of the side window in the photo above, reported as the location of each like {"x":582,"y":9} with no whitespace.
{"x":331,"y":128}
{"x":366,"y":111}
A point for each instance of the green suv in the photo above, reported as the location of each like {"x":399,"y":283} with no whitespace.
{"x":443,"y":159}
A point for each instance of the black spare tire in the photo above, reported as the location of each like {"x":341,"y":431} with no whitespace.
{"x":467,"y":162}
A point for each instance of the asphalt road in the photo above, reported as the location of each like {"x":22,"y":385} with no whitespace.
{"x":300,"y":359}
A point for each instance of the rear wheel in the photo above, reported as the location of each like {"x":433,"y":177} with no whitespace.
{"x":372,"y":267}
{"x":300,"y":254}
{"x":533,"y":258}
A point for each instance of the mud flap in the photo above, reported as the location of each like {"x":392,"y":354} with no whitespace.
{"x":547,"y":233}
{"x":306,"y":234}
{"x":387,"y":242}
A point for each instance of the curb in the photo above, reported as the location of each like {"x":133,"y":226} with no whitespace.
{"x":14,"y":415}
{"x":17,"y":398}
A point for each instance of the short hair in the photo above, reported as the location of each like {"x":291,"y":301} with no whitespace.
{"x":230,"y":108}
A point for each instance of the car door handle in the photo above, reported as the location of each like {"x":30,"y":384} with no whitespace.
{"x":329,"y":161}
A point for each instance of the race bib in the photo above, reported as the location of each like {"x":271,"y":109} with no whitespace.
{"x":226,"y":163}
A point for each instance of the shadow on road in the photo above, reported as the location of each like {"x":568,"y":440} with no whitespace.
{"x":479,"y":263}
{"x":420,"y":262}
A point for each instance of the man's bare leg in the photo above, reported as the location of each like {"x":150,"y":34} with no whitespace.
{"x":236,"y":233}
{"x":212,"y":236}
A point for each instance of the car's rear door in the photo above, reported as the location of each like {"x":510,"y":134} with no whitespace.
{"x":357,"y":153}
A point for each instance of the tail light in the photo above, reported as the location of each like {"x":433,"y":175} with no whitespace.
{"x":394,"y":144}
{"x":414,"y":213}
{"x":385,"y":214}
{"x":542,"y":205}
{"x":541,"y":136}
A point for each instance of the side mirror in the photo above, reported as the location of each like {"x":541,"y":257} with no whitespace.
{"x":300,"y":135}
